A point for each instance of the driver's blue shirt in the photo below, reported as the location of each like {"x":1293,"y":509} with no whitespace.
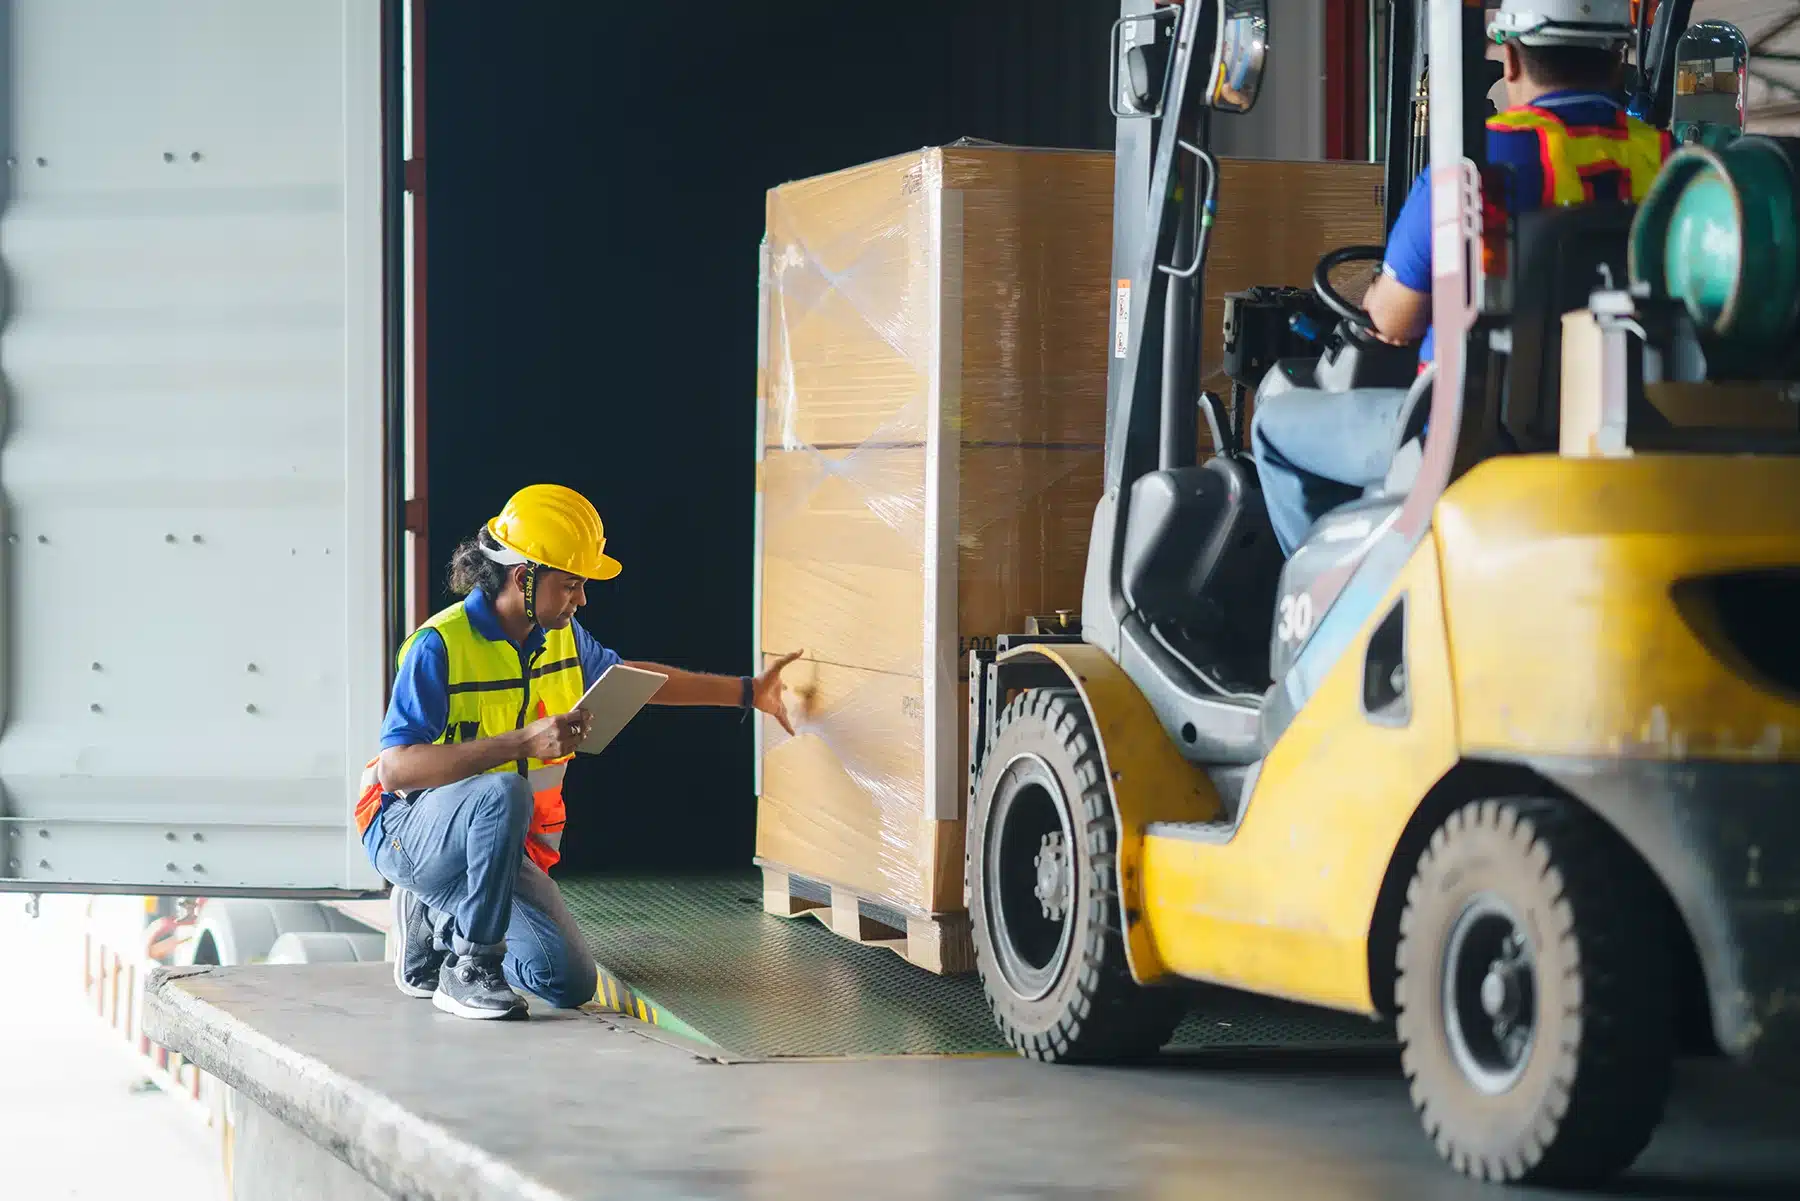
{"x":1519,"y":150}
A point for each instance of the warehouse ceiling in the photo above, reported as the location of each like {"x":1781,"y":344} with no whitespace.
{"x":1772,"y":28}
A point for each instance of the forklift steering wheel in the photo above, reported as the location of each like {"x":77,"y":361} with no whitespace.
{"x":1355,"y":317}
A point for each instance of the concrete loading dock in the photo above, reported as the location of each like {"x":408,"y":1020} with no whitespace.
{"x":353,"y":1093}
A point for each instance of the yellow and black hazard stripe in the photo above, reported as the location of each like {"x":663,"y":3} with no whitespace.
{"x":613,"y":995}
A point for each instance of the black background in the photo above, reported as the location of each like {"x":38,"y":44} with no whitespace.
{"x":596,"y":181}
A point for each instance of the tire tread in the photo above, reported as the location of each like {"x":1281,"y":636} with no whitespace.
{"x":1612,"y":1079}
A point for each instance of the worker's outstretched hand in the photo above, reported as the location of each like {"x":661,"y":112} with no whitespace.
{"x":769,"y":695}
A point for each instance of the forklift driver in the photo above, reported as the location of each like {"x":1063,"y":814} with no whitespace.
{"x":1563,"y":139}
{"x":463,"y":810}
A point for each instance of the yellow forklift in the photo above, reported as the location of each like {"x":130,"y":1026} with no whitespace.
{"x":1508,"y":752}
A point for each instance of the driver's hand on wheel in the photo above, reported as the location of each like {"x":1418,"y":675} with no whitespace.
{"x":1397,"y":315}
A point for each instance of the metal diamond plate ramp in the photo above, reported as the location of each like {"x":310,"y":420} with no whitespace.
{"x":697,"y":956}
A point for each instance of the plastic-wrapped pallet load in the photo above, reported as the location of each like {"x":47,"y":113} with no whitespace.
{"x":932,"y":385}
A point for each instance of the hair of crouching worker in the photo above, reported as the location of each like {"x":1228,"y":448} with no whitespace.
{"x":470,"y":568}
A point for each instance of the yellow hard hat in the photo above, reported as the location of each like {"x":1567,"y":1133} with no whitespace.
{"x":557,"y":527}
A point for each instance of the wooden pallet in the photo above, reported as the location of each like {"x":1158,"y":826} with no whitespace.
{"x":938,"y":942}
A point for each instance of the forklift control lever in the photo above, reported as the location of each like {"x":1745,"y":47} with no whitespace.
{"x":1224,"y":436}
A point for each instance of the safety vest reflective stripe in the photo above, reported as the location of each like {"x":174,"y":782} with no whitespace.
{"x":512,"y":685}
{"x":1573,"y":157}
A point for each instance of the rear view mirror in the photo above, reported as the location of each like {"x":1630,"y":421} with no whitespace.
{"x":1238,"y":55}
{"x":1711,"y":63}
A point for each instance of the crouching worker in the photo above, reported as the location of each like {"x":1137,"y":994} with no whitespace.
{"x":463,"y":810}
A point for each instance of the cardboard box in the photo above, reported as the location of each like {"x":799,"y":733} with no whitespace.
{"x":933,"y":395}
{"x":935,"y":336}
{"x":1276,"y":220}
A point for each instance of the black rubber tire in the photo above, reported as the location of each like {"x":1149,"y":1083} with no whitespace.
{"x":1094,"y":1011}
{"x":1596,"y":1080}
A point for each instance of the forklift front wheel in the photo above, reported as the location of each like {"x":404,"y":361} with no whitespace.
{"x":1043,"y":895}
{"x":1535,"y":995}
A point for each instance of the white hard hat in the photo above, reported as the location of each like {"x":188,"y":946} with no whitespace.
{"x":1599,"y":23}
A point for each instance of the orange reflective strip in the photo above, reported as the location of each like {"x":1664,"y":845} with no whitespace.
{"x":367,"y":806}
{"x":368,"y":802}
{"x":541,"y":855}
{"x":543,"y":839}
{"x":548,"y":814}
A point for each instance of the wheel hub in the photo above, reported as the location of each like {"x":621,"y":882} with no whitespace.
{"x":1029,"y":875}
{"x":1498,"y":993}
{"x":1505,"y":995}
{"x":1052,"y":888}
{"x":1490,"y":995}
{"x":1503,"y":988}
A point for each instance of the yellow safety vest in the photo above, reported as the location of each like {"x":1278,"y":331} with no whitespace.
{"x":1575,"y":158}
{"x":492,"y":692}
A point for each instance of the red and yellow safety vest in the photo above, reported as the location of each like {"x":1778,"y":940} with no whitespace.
{"x":1587,"y":163}
{"x":492,"y":692}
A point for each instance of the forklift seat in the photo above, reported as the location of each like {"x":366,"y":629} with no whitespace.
{"x":1561,"y":256}
{"x":1200,"y":566}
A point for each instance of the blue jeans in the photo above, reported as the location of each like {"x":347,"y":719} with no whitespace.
{"x":1317,"y":450}
{"x":461,"y":850}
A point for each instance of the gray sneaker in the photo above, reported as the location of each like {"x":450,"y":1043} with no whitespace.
{"x":473,"y":986}
{"x":417,"y":963}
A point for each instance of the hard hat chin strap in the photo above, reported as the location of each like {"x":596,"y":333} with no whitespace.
{"x":531,"y":578}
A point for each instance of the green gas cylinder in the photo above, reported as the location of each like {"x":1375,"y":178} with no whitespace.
{"x":1720,"y":232}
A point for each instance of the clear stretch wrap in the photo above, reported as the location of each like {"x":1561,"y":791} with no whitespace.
{"x":933,"y":382}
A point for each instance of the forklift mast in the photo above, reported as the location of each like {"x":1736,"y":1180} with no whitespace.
{"x":1403,"y":106}
{"x":1140,"y":35}
{"x":1158,"y":49}
{"x":1154,"y":49}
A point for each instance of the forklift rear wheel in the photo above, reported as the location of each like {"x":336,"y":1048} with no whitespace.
{"x":1043,"y":894}
{"x":1535,"y":995}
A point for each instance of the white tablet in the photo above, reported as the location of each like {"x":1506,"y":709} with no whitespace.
{"x":613,"y":701}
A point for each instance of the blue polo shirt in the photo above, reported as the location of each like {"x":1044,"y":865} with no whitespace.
{"x":1408,"y":258}
{"x":419,"y":707}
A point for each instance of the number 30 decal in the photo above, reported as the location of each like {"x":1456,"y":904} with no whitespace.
{"x":1296,"y":613}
